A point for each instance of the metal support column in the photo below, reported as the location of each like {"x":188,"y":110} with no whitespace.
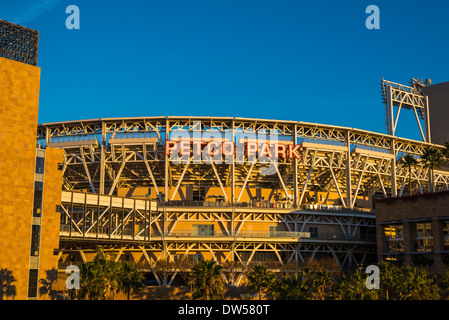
{"x":295,"y":170}
{"x":102,"y":157}
{"x":394,"y":191}
{"x":348,"y":171}
{"x":390,"y":113}
{"x":233,"y":167}
{"x":167,"y":137}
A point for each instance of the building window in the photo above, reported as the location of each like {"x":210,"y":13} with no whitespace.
{"x":394,"y":236}
{"x":35,"y":237}
{"x":423,"y":238}
{"x":37,"y":205}
{"x":194,"y":258}
{"x":202,"y":230}
{"x":273,"y":231}
{"x":32,"y":283}
{"x":198,"y":194}
{"x":40,"y":162}
{"x":446,"y":234}
{"x":313,"y":232}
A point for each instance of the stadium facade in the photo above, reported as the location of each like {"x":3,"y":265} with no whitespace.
{"x":148,"y":189}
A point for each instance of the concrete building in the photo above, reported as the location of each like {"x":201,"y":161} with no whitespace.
{"x":438,"y":97}
{"x":30,"y":182}
{"x":414,"y":230}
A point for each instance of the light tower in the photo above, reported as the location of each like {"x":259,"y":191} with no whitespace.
{"x":410,"y":98}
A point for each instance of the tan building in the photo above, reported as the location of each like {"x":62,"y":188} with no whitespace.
{"x":438,"y":95}
{"x":30,"y":182}
{"x":414,"y":230}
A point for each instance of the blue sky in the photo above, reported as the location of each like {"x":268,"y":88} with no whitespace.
{"x":312,"y":61}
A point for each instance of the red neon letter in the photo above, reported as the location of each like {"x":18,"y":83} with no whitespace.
{"x":280,"y":149}
{"x":169,"y":146}
{"x":231,"y":146}
{"x":293,"y":151}
{"x":251,"y":148}
{"x":265,"y":150}
{"x":197,"y":147}
{"x":184,"y":145}
{"x":209,"y":148}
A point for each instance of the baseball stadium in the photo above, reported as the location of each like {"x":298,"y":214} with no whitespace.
{"x":240,"y":191}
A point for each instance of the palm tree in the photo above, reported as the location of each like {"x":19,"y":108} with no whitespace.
{"x":389,"y":275}
{"x":443,"y":283}
{"x":320,"y":281}
{"x":47,"y":284}
{"x":6,"y":287}
{"x":98,"y":277}
{"x":416,"y":284}
{"x":446,"y":151}
{"x":130,"y":278}
{"x":206,"y":280}
{"x":409,"y":161}
{"x":432,"y":158}
{"x":353,"y":287}
{"x":291,"y":288}
{"x":260,"y":279}
{"x":407,"y":283}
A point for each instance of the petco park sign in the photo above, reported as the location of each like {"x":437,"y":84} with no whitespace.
{"x":266,"y":150}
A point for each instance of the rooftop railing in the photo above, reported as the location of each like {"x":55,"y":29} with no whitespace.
{"x":264,"y":205}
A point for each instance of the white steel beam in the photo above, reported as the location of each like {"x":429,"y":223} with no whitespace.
{"x":219,"y":180}
{"x":180,"y":179}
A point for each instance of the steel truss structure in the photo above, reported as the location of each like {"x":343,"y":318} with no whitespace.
{"x":138,"y":228}
{"x":406,"y":97}
{"x":104,"y":155}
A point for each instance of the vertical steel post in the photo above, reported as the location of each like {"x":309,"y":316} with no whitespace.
{"x":295,"y":169}
{"x":167,"y":129}
{"x":390,"y":115}
{"x":348,"y":171}
{"x":233,"y":166}
{"x":102,"y":156}
{"x":394,"y":191}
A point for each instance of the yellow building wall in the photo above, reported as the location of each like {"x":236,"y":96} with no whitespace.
{"x":19,"y":99}
{"x":50,"y":217}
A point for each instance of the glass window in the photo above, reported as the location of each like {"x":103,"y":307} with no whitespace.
{"x":40,"y":165}
{"x":32,"y":283}
{"x":38,"y":191}
{"x":424,"y":229}
{"x":446,"y":234}
{"x":273,"y":231}
{"x":394,"y":236}
{"x":313,"y":232}
{"x":446,"y":228}
{"x":198,"y":194}
{"x":202,"y":230}
{"x":35,"y":237}
{"x":394,"y":231}
{"x":423,"y":238}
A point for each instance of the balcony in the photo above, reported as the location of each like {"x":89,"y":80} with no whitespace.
{"x":263,"y":205}
{"x":266,"y":235}
{"x":222,"y":203}
{"x":212,"y":234}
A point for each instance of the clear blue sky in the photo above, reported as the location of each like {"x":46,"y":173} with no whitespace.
{"x":311,"y":61}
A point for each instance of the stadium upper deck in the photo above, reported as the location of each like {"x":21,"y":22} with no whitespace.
{"x":347,"y":165}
